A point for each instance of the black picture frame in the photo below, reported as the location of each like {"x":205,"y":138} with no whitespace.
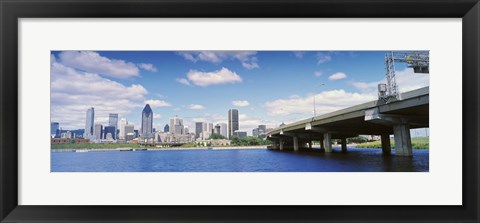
{"x":12,"y":10}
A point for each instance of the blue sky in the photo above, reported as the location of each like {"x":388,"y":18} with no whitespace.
{"x":267,"y":87}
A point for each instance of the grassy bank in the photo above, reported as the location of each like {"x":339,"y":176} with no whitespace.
{"x":96,"y":145}
{"x":417,"y":143}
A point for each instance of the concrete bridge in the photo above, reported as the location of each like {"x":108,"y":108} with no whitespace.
{"x":371,"y":118}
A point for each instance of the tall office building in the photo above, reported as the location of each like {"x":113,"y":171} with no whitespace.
{"x":89,"y":123}
{"x":232,"y":122}
{"x":166,"y":128}
{"x":147,"y":122}
{"x":109,"y":132}
{"x":223,"y":129}
{"x":210,"y":128}
{"x":121,"y":132}
{"x":217,"y":129}
{"x":176,"y":125}
{"x":113,"y":120}
{"x":129,"y":132}
{"x":198,"y":129}
{"x":54,"y":127}
{"x":98,"y":131}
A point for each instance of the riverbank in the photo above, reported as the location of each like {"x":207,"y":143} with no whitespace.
{"x":156,"y":148}
{"x":417,"y":143}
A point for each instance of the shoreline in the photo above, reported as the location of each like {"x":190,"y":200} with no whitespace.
{"x":131,"y":149}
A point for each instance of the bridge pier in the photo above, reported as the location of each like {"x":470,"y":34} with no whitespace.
{"x":281,"y":144}
{"x":295,"y":143}
{"x":322,"y":147}
{"x":403,"y":141}
{"x":386,"y":147}
{"x":327,"y":142}
{"x":310,"y":144}
{"x":344,"y":144}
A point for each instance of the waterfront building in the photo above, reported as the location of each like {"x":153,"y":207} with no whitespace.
{"x":214,"y":142}
{"x":233,"y":124}
{"x":98,"y":130}
{"x":223,"y":129}
{"x":129,"y":132}
{"x":260,"y":131}
{"x":113,"y":120}
{"x":121,"y":132}
{"x":147,"y":122}
{"x":136,"y":133}
{"x":166,"y":128}
{"x":185,"y":130}
{"x":176,"y":125}
{"x":217,"y":129}
{"x":240,"y":134}
{"x":89,"y":123}
{"x":210,"y":128}
{"x":255,"y":132}
{"x":178,"y":130}
{"x":54,"y":127}
{"x":198,"y":129}
{"x":68,"y":141}
{"x":109,"y":130}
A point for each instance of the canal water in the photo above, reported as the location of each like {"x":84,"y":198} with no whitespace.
{"x":238,"y":160}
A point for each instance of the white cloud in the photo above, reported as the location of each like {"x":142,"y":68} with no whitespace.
{"x":147,"y":66}
{"x":222,"y":76}
{"x":196,"y":107}
{"x":240,"y":103}
{"x":73,"y":92}
{"x":157,"y":116}
{"x":366,"y":86}
{"x":323,"y":57}
{"x":157,"y":103}
{"x":246,"y":58}
{"x":327,"y":101}
{"x":299,"y":54}
{"x":318,"y":73}
{"x":407,"y":80}
{"x":183,"y":81}
{"x":337,"y":76}
{"x":93,"y":62}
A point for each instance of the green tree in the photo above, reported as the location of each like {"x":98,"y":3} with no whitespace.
{"x":216,"y":136}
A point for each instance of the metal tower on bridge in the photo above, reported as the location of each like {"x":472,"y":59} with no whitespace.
{"x":418,"y":60}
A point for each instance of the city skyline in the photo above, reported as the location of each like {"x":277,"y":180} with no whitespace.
{"x":203,"y":86}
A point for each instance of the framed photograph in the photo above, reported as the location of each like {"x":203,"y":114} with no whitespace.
{"x":230,"y":111}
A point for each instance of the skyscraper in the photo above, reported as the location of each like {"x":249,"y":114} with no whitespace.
{"x":129,"y":132}
{"x":121,"y":132}
{"x":109,"y":131}
{"x":89,"y":123}
{"x":176,"y":125}
{"x":223,"y":129}
{"x":232,"y":122}
{"x":54,"y":127}
{"x":147,"y":122}
{"x":198,"y":129}
{"x":113,"y":120}
{"x":98,"y":131}
{"x":166,"y":128}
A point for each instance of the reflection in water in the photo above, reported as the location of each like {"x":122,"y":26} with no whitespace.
{"x":249,"y":160}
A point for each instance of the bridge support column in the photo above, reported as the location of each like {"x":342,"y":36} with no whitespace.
{"x":322,"y":146}
{"x":310,"y":144}
{"x":274,"y":144}
{"x":281,"y":144}
{"x":344,"y":144}
{"x":327,"y":142}
{"x":403,"y":142}
{"x":386,"y":147}
{"x":295,"y":143}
